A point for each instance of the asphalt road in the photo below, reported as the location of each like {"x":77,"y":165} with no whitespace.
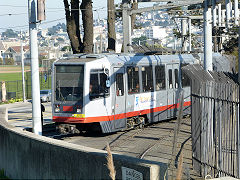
{"x":20,"y":114}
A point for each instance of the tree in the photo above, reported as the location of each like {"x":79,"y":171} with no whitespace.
{"x":73,"y":29}
{"x":111,"y":25}
{"x":9,"y":61}
{"x":87,"y":17}
{"x":140,"y":41}
{"x":41,"y":58}
{"x":54,"y":29}
{"x":9,"y":33}
{"x":66,"y":48}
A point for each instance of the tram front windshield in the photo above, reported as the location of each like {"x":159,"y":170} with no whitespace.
{"x":69,"y":83}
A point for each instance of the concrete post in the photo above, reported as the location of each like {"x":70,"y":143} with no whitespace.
{"x":223,"y":18}
{"x":228,"y":13}
{"x":36,"y":106}
{"x":4,"y":114}
{"x":184,"y":33}
{"x":219,"y":14}
{"x":175,"y":43}
{"x":4,"y":91}
{"x":23,"y":77}
{"x":190,"y":34}
{"x":207,"y":37}
{"x":214,"y":10}
{"x":126,"y":28}
{"x":236,"y":12}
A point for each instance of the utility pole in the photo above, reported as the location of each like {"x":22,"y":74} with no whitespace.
{"x":207,"y":36}
{"x":219,"y":14}
{"x":190,"y":34}
{"x":23,"y":77}
{"x":184,"y":33}
{"x":111,"y":26}
{"x":236,"y":12}
{"x":214,"y":14}
{"x":228,"y":13}
{"x":215,"y":30}
{"x":126,"y":27}
{"x":36,"y":106}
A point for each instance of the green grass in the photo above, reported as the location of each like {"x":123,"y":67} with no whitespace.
{"x":11,"y":76}
{"x":14,"y":83}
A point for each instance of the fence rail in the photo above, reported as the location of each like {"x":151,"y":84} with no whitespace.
{"x":215,"y":122}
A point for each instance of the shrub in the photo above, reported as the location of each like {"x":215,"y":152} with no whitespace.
{"x":9,"y":61}
{"x":1,"y":61}
{"x":2,"y":174}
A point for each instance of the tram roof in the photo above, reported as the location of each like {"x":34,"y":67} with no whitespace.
{"x":126,"y":58}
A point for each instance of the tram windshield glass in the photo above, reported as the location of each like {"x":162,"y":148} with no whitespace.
{"x":69,"y":83}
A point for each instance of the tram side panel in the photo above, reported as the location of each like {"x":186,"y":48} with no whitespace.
{"x":98,"y":105}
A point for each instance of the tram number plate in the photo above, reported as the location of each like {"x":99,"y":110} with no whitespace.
{"x":79,"y":115}
{"x":131,"y":174}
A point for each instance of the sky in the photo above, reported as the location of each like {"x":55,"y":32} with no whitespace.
{"x":54,"y":13}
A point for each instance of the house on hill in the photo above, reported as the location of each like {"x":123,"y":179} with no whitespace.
{"x":15,"y":53}
{"x":2,"y":49}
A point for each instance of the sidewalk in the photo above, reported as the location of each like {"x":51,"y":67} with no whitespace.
{"x":20,"y":114}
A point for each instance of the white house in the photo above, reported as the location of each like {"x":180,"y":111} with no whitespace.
{"x":155,"y":32}
{"x":2,"y":49}
{"x":15,"y":53}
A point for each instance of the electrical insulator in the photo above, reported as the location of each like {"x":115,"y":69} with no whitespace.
{"x":41,"y":16}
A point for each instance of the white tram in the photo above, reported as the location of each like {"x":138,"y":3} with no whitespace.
{"x":114,"y":92}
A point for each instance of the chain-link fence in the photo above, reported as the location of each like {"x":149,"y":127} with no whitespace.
{"x":14,"y":89}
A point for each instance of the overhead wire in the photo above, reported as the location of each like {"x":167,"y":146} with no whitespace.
{"x":12,"y":14}
{"x":46,"y":22}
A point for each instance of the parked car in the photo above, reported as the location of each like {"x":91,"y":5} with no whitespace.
{"x":45,"y":95}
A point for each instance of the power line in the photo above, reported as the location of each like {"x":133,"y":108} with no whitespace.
{"x":12,"y":6}
{"x":57,"y":8}
{"x":10,"y":14}
{"x":53,"y":21}
{"x":13,"y":27}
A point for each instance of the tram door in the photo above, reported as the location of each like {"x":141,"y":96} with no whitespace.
{"x":172,"y":71}
{"x":119,"y":98}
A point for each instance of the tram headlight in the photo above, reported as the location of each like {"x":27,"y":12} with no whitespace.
{"x":57,"y":108}
{"x":79,"y":108}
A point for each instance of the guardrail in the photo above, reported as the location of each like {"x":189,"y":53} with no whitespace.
{"x":24,"y":155}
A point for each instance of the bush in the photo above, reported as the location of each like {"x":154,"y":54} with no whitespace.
{"x":1,"y":61}
{"x":9,"y":61}
{"x":2,"y":174}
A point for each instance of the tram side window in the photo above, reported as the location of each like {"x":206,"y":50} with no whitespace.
{"x":160,"y":77}
{"x":119,"y":84}
{"x":147,"y":78}
{"x":170,"y":83}
{"x":185,"y":78}
{"x":176,"y":78}
{"x":97,"y":87}
{"x":133,"y":80}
